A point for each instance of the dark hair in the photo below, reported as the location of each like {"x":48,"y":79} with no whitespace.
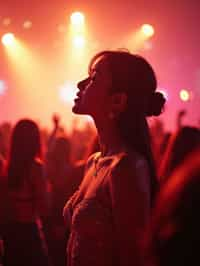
{"x":133,"y":75}
{"x":183,"y":142}
{"x":25,"y":146}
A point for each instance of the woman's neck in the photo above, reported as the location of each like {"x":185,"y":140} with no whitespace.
{"x":110,"y":140}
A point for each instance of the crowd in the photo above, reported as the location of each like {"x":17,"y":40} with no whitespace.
{"x":126,"y":194}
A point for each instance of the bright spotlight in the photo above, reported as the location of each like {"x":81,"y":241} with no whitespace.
{"x":8,"y":39}
{"x":77,"y":18}
{"x":147,"y":30}
{"x":79,"y":41}
{"x":184,"y":95}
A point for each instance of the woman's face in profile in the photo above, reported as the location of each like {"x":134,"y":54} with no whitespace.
{"x":93,"y":97}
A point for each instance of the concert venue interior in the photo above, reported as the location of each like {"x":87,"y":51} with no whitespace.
{"x":47,"y":50}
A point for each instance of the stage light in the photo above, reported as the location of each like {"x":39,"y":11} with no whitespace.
{"x":147,"y":30}
{"x":8,"y":39}
{"x":184,"y":95}
{"x":27,"y":24}
{"x":6,"y":21}
{"x":77,"y":19}
{"x":79,"y":41}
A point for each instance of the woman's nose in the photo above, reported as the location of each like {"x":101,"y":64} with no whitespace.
{"x":82,"y":84}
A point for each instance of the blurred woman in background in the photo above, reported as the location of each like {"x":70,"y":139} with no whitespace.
{"x":24,"y":200}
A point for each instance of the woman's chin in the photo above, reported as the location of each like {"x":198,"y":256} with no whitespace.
{"x":76,"y":109}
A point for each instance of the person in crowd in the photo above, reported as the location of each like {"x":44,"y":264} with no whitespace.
{"x":58,"y":171}
{"x":109,"y":211}
{"x":2,"y":166}
{"x":24,"y":199}
{"x":179,"y":119}
{"x":173,"y":234}
{"x":64,"y":177}
{"x":181,"y":143}
{"x":158,"y":139}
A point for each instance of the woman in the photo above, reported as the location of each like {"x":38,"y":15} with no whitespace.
{"x":24,"y":199}
{"x":109,"y":211}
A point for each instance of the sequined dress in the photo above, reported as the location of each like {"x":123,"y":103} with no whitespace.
{"x":108,"y":212}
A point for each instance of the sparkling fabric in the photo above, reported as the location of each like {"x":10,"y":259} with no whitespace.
{"x":95,"y":224}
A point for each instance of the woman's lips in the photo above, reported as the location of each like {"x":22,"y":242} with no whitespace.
{"x":77,"y":99}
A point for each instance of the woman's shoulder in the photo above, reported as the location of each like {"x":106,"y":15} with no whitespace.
{"x":133,"y":167}
{"x":130,"y":160}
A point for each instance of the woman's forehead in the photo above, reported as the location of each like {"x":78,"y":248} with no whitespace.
{"x":99,"y":64}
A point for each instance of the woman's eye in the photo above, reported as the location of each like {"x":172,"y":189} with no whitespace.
{"x":92,"y":79}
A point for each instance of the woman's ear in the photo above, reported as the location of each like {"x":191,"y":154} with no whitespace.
{"x":118,"y":102}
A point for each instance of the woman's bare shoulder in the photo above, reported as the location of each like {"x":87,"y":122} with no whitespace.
{"x":130,"y":161}
{"x":131,"y":166}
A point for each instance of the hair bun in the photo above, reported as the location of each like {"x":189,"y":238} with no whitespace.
{"x":156,"y":104}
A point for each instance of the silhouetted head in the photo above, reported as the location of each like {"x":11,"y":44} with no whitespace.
{"x":121,"y":91}
{"x":119,"y":82}
{"x":25,"y":146}
{"x":25,"y":139}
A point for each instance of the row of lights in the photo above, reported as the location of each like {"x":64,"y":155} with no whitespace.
{"x":77,"y":20}
{"x":27,"y":24}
